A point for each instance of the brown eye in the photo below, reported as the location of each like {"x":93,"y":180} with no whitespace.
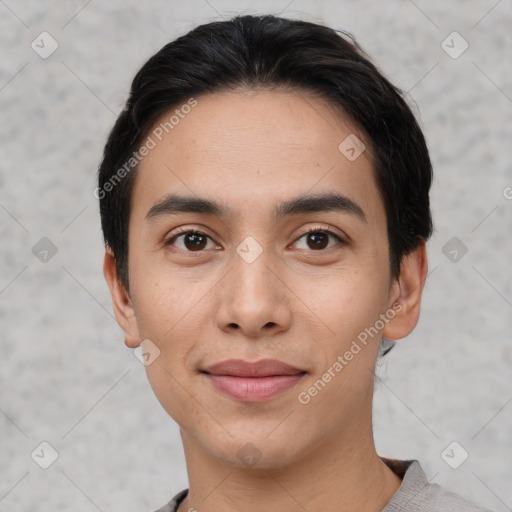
{"x":191,"y":241}
{"x":194,"y":241}
{"x":318,"y":239}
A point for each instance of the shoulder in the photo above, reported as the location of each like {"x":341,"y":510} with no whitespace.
{"x":417,"y":494}
{"x":449,"y":501}
{"x":172,"y":506}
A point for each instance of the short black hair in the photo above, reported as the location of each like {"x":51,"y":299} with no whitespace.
{"x":266,"y":52}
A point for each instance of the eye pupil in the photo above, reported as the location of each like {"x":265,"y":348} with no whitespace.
{"x":197,"y":240}
{"x":319,"y":240}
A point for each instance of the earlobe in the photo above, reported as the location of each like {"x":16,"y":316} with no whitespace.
{"x":122,"y":304}
{"x":406,"y":294}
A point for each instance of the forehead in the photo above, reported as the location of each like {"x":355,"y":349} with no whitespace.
{"x":248,"y":149}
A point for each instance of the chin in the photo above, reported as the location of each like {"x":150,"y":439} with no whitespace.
{"x":256,"y":452}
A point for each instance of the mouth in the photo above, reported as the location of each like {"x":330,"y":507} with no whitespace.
{"x":253,"y":381}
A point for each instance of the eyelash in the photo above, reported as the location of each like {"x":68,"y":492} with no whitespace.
{"x":186,"y":231}
{"x":327,"y":231}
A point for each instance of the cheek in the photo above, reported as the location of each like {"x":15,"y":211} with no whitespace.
{"x":155,"y":307}
{"x":171,"y":320}
{"x":174,"y":393}
{"x":345,"y":302}
{"x":346,"y":307}
{"x":171,"y":310}
{"x":162,"y":298}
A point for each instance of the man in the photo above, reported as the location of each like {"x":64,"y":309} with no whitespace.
{"x":264,"y":198}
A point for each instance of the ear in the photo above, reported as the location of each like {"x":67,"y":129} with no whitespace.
{"x":405,"y":296}
{"x":123,"y":308}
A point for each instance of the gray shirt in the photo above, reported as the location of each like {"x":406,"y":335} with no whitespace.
{"x":415,"y":494}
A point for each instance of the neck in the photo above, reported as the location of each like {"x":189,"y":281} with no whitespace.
{"x":331,"y":477}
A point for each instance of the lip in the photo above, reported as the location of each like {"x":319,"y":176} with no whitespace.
{"x":263,"y":368}
{"x":253,"y":381}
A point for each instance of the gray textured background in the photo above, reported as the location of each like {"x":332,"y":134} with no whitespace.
{"x":66,"y":376}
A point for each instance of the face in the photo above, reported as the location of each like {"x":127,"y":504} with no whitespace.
{"x":242,"y":278}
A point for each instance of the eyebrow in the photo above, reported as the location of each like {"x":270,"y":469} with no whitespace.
{"x":173,"y":204}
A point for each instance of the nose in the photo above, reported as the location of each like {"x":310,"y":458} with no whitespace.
{"x":254,"y":299}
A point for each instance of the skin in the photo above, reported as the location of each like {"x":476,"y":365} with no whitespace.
{"x":295,"y":303}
